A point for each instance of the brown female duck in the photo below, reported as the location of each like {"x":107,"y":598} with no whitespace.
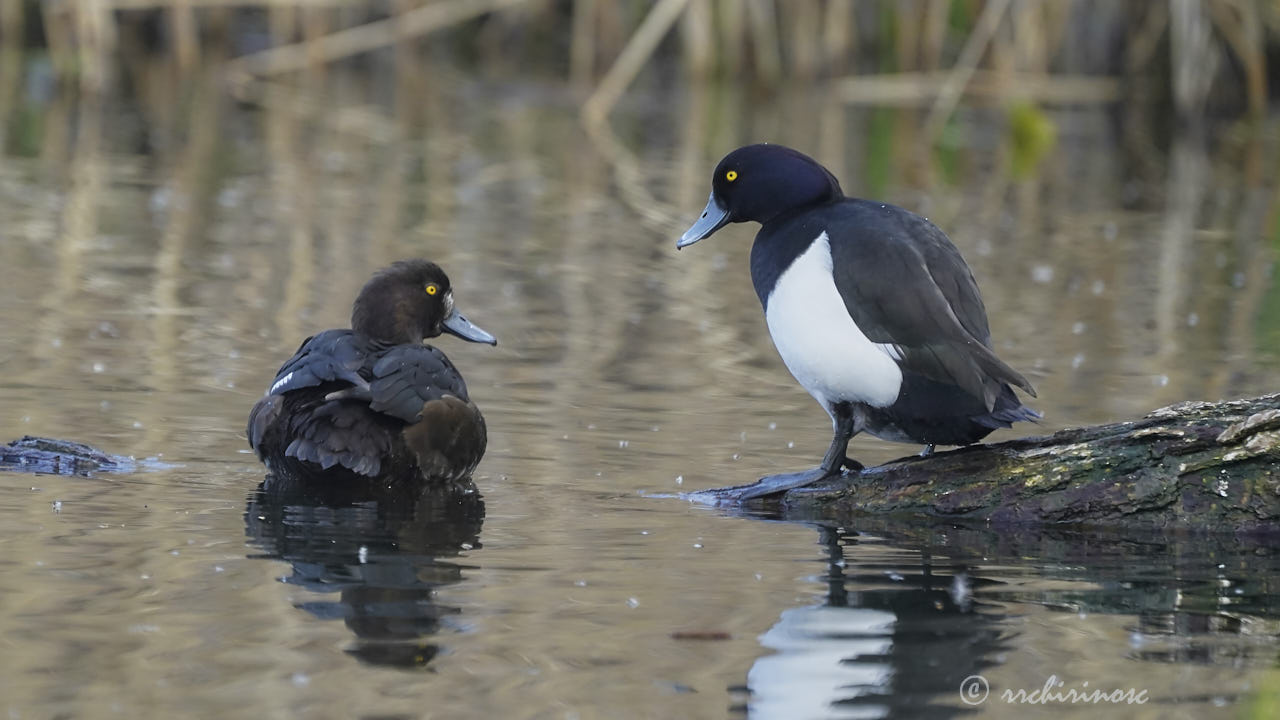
{"x":375,"y":401}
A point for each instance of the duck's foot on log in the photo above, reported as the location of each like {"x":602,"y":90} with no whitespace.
{"x":765,"y":486}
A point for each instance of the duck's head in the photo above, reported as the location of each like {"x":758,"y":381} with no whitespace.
{"x":408,"y":303}
{"x":759,"y":182}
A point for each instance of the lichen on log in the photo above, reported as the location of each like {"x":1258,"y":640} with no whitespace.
{"x":1194,"y":465}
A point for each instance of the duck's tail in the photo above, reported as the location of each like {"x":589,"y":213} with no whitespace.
{"x":1007,"y":411}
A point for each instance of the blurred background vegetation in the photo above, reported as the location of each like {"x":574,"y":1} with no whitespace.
{"x":1192,"y":55}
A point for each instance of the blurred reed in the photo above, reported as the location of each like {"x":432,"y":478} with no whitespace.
{"x":1188,"y":54}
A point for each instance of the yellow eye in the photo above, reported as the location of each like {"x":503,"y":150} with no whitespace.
{"x":731,"y":175}
{"x":432,"y":289}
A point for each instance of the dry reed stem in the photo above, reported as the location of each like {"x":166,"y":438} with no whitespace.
{"x":1243,"y":32}
{"x":363,"y":38}
{"x":11,"y":14}
{"x":837,"y":35}
{"x":965,"y":65}
{"x":731,"y":32}
{"x":167,"y":4}
{"x":1143,"y":41}
{"x":935,"y":34}
{"x":186,"y":40}
{"x":698,"y":32}
{"x":1191,"y":54}
{"x":582,"y":48}
{"x":762,"y":16}
{"x":632,"y":59}
{"x":914,"y":89}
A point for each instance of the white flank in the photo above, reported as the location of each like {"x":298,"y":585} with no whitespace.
{"x":822,"y":347}
{"x":280,"y":382}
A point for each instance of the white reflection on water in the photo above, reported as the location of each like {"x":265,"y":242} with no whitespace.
{"x":811,"y":672}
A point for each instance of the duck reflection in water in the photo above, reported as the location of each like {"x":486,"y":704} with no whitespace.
{"x":384,"y":552}
{"x":900,"y":651}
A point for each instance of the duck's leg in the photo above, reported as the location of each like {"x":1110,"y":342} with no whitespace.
{"x":847,"y":423}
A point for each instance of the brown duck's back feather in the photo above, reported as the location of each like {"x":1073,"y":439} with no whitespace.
{"x":342,"y":403}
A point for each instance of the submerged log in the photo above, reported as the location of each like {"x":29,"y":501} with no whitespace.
{"x":1195,"y":465}
{"x":52,"y":456}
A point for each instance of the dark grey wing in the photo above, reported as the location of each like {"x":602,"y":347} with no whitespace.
{"x":305,"y":424}
{"x":263,"y":415}
{"x":951,"y":274}
{"x":904,"y":284}
{"x":330,"y":356}
{"x":341,"y":433}
{"x":407,"y":376}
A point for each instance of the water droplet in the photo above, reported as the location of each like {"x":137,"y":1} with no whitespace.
{"x":137,"y":425}
{"x":735,"y":456}
{"x":363,"y":554}
{"x":218,"y":568}
{"x":1077,"y":329}
{"x":679,"y":479}
{"x":773,"y":426}
{"x":633,"y":602}
{"x":697,"y":546}
{"x":790,"y":444}
{"x":99,"y":367}
{"x":644,"y":532}
{"x":1077,"y":361}
{"x":580,"y":583}
{"x":1042,"y":274}
{"x":655,"y":428}
{"x":1098,"y":287}
{"x":759,"y":576}
{"x":174,"y":552}
{"x":300,"y":679}
{"x":1193,"y":320}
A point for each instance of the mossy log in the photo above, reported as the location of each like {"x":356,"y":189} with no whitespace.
{"x":51,"y":456}
{"x":1195,"y":465}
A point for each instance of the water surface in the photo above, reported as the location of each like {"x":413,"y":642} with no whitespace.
{"x":161,"y":259}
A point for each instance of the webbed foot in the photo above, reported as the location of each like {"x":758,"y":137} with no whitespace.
{"x":768,"y":485}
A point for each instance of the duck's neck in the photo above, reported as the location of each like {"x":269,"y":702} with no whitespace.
{"x":384,"y":327}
